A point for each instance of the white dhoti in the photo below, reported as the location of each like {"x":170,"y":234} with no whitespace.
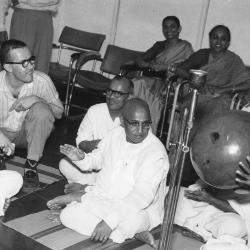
{"x":10,"y":184}
{"x":83,"y":218}
{"x":74,"y":175}
{"x":211,"y":223}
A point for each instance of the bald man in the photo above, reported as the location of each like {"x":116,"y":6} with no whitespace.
{"x":103,"y":117}
{"x":98,"y":121}
{"x":128,"y":195}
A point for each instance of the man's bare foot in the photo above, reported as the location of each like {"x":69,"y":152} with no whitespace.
{"x":74,"y":187}
{"x":63,"y":200}
{"x":146,"y":237}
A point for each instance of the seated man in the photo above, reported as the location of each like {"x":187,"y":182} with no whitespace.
{"x":29,"y":105}
{"x":103,"y":117}
{"x":98,"y":121}
{"x":128,"y":195}
{"x":215,"y":213}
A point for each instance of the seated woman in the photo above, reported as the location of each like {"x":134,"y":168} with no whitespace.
{"x":158,"y":58}
{"x":227,"y":73}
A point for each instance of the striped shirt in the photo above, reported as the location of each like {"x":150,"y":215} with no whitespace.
{"x":41,"y":86}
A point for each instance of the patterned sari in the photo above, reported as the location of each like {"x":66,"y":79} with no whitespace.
{"x":226,"y":72}
{"x":150,"y":89}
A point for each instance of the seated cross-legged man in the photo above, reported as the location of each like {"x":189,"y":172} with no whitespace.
{"x":128,"y":195}
{"x":29,"y":105}
{"x":98,"y":121}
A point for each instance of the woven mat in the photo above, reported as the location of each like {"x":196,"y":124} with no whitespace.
{"x":53,"y":235}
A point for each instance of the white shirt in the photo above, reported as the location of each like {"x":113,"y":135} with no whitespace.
{"x":41,"y":86}
{"x":96,"y":123}
{"x":131,"y":175}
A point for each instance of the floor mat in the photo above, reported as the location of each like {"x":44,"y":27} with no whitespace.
{"x":53,"y":235}
{"x":47,"y":174}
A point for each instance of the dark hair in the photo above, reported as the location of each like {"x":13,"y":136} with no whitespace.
{"x":173,"y":18}
{"x":7,"y":46}
{"x":131,"y":84}
{"x":223,"y":27}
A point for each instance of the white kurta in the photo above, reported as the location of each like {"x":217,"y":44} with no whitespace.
{"x":131,"y":180}
{"x":10,"y":184}
{"x":96,"y":123}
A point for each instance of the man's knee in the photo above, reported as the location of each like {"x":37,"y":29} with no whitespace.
{"x":11,"y":179}
{"x":41,"y":111}
{"x":65,"y":217}
{"x":222,"y":225}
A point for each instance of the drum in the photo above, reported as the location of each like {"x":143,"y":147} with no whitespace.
{"x":219,"y":144}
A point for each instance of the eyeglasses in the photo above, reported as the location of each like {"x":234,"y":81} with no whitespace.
{"x":115,"y":93}
{"x":25,"y":62}
{"x":137,"y":124}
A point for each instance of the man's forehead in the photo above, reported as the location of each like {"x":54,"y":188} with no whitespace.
{"x":138,"y":114}
{"x":20,"y":53}
{"x":119,"y":84}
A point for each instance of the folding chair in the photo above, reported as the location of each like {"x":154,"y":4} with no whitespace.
{"x":97,"y":82}
{"x":77,"y":41}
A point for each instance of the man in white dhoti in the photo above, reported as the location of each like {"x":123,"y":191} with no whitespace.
{"x":215,"y":215}
{"x":98,"y":121}
{"x":128,"y":196}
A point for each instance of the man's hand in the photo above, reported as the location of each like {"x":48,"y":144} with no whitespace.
{"x":243,"y":173}
{"x":159,"y":67}
{"x":25,"y":103}
{"x":88,"y":146}
{"x":198,"y":195}
{"x":101,"y":232}
{"x":204,"y":196}
{"x":73,"y":153}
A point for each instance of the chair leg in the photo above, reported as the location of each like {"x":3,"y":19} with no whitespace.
{"x":66,"y":111}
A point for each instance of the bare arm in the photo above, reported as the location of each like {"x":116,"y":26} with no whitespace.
{"x":204,"y":196}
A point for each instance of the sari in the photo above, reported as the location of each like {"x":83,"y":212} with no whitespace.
{"x":225,"y":75}
{"x":226,"y":72}
{"x":151,"y":89}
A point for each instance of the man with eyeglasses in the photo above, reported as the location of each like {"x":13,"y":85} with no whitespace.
{"x":29,"y":104}
{"x":31,"y":22}
{"x":128,"y":195}
{"x":98,"y":121}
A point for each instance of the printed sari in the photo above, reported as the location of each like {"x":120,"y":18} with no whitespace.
{"x":151,"y":89}
{"x":227,"y":72}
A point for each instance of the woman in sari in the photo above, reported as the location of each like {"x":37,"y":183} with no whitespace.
{"x":226,"y":75}
{"x":226,"y":72}
{"x":158,"y":58}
